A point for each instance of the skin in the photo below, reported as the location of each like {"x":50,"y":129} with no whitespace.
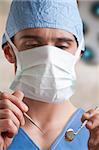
{"x":12,"y":106}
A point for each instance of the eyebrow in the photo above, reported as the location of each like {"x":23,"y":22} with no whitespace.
{"x":65,"y":39}
{"x":31,"y":37}
{"x":39,"y":38}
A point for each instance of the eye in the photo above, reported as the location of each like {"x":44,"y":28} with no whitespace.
{"x":31,"y":44}
{"x":63,"y":47}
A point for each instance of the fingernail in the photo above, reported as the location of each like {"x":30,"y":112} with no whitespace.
{"x":90,"y":142}
{"x":25,"y":107}
{"x":23,"y":122}
{"x":89,"y":124}
{"x":89,"y":115}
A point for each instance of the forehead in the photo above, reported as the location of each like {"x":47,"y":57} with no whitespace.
{"x":44,"y":33}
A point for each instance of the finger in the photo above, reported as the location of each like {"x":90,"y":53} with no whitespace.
{"x":89,"y":114}
{"x":94,"y":148}
{"x":94,"y":138}
{"x":7,"y":125}
{"x":19,"y":95}
{"x":92,"y":145}
{"x":8,"y":114}
{"x":7,"y":141}
{"x":1,"y":143}
{"x":17,"y":101}
{"x":93,"y":122}
{"x":7,"y":104}
{"x":0,"y":94}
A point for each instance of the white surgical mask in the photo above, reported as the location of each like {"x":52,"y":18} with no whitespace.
{"x":45,"y":73}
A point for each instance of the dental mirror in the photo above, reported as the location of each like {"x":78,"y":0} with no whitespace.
{"x":70,"y":133}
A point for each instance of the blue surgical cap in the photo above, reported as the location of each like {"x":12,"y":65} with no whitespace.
{"x":58,"y":14}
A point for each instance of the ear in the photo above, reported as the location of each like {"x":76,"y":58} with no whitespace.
{"x":9,"y":54}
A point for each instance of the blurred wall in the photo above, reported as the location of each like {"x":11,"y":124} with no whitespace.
{"x":6,"y":69}
{"x":87,"y":89}
{"x":87,"y":94}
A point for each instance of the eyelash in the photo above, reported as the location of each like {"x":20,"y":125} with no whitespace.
{"x":63,"y":47}
{"x":32,"y":45}
{"x":36,"y":45}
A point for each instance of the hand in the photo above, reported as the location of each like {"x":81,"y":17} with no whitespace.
{"x":93,"y":126}
{"x":11,"y":116}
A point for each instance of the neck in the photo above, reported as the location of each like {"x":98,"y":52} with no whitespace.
{"x":49,"y":114}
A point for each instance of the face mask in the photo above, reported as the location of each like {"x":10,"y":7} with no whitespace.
{"x":45,"y":73}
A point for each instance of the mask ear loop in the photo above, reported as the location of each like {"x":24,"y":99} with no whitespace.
{"x":16,"y":54}
{"x":11,"y":43}
{"x":79,"y":49}
{"x":77,"y":55}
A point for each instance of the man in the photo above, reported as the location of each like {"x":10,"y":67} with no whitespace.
{"x":44,"y":39}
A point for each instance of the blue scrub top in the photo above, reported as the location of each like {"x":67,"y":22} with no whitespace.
{"x":23,"y":142}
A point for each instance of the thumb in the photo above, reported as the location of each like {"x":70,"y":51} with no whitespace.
{"x":19,"y":95}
